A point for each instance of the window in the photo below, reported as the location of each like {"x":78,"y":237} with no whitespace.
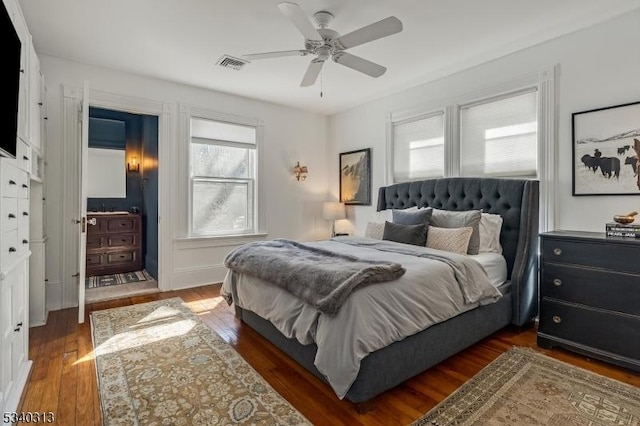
{"x":223,"y":178}
{"x":418,"y":148}
{"x":499,"y":137}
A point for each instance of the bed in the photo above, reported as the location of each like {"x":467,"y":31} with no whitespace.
{"x":516,"y":201}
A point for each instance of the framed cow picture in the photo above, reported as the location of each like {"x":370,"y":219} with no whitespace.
{"x":606,"y":149}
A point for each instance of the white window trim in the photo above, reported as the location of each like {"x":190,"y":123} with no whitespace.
{"x":259,"y":205}
{"x":544,"y":81}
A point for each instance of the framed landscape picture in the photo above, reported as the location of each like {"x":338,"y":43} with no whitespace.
{"x":355,"y":177}
{"x":606,"y":142}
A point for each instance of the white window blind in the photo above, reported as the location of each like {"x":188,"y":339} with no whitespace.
{"x":418,"y":148}
{"x":499,"y":137}
{"x":223,"y":177}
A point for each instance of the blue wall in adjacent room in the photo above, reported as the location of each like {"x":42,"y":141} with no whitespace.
{"x":150,"y":192}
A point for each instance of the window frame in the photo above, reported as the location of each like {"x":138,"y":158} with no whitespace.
{"x":257,"y":205}
{"x":543,"y":82}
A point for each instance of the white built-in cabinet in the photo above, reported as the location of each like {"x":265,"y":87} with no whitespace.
{"x":22,"y":231}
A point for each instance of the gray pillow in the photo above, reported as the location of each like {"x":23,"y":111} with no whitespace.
{"x":412,"y":217}
{"x":407,"y":234}
{"x":451,"y":219}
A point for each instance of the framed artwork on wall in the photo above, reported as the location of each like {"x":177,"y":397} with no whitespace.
{"x":355,"y":177}
{"x":606,"y":149}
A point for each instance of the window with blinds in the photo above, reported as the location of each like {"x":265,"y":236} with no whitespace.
{"x":418,"y":148}
{"x":499,"y":137}
{"x":223,"y":177}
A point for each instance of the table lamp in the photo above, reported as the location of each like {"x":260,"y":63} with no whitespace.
{"x":333,"y":210}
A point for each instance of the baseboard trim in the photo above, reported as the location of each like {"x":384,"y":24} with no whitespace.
{"x":197,"y":276}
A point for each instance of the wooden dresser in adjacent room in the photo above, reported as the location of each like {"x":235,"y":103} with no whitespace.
{"x":114,"y":243}
{"x":590,"y":295}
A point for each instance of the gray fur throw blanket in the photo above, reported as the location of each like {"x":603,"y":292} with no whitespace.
{"x":321,"y":278}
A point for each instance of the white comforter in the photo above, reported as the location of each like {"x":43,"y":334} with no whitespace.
{"x":373,"y":316}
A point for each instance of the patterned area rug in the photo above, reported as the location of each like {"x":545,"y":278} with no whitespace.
{"x":158,"y":364}
{"x":523,"y":387}
{"x":115,"y":279}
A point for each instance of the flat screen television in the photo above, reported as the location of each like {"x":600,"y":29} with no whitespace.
{"x":11,"y":86}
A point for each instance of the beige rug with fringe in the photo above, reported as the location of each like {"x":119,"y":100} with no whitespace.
{"x":523,"y":387}
{"x":158,"y":364}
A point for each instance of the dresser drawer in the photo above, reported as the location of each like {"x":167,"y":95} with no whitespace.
{"x":9,"y":249}
{"x":604,"y":330}
{"x":23,"y":238}
{"x":23,"y":155}
{"x":9,"y":213}
{"x":122,"y":224}
{"x":605,"y":289}
{"x":94,"y":259}
{"x":617,"y":257}
{"x":122,"y":256}
{"x":23,"y":212}
{"x":95,"y":241}
{"x":9,"y":178}
{"x":122,"y":240}
{"x":23,"y":185}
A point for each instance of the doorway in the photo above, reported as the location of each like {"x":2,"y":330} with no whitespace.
{"x":122,"y":205}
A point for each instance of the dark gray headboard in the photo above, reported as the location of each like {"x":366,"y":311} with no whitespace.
{"x":516,"y":200}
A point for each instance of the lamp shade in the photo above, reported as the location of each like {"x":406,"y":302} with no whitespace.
{"x":333,"y":210}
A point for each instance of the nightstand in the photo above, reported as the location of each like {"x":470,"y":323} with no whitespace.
{"x":590,"y":295}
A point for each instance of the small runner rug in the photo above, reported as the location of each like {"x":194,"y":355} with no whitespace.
{"x":523,"y":387}
{"x":115,"y":279}
{"x":158,"y":364}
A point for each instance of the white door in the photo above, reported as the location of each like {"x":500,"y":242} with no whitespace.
{"x":82,"y":198}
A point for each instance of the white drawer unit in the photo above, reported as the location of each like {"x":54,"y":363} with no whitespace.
{"x":8,"y":214}
{"x":23,"y":156}
{"x":9,"y":178}
{"x":14,"y":282}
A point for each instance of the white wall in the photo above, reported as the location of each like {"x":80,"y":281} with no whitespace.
{"x":598,"y":67}
{"x":293,"y":208}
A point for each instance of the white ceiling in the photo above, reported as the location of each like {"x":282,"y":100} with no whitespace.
{"x":181,"y":40}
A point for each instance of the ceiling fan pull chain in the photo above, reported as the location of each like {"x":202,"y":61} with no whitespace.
{"x":321,"y":84}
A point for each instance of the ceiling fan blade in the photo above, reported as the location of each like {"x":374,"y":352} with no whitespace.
{"x":279,"y":54}
{"x":299,"y":19}
{"x":312,"y":73}
{"x":384,"y":28}
{"x":359,"y":64}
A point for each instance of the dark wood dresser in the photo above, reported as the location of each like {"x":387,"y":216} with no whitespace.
{"x":113,"y":244}
{"x":590,"y":295}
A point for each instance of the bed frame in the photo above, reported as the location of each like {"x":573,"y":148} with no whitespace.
{"x":516,"y":200}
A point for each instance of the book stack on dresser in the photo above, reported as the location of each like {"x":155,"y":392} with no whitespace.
{"x":631,"y":230}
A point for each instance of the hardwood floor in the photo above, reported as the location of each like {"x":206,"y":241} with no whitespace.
{"x":63,"y":378}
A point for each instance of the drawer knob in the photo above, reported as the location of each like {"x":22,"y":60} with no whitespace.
{"x":557,"y":319}
{"x":557,"y":251}
{"x":557,"y":282}
{"x":25,"y":241}
{"x":12,"y":182}
{"x":25,"y":158}
{"x":25,"y":214}
{"x":25,"y":186}
{"x":12,"y":216}
{"x":12,"y":250}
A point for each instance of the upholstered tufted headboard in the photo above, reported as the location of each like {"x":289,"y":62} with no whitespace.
{"x":516,"y":200}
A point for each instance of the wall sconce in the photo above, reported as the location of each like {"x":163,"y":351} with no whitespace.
{"x":133,"y":165}
{"x":300,"y":172}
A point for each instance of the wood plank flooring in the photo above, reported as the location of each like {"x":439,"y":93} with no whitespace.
{"x":63,"y":378}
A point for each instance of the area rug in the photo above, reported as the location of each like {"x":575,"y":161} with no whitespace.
{"x":115,"y":279}
{"x":158,"y":364}
{"x":523,"y":387}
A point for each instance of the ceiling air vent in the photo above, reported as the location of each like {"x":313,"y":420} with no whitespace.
{"x":227,"y":61}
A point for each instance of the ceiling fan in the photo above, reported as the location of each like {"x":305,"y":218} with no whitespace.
{"x":326,"y":43}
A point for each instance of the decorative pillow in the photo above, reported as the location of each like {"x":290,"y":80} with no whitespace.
{"x":408,"y":234}
{"x":412,"y":217}
{"x":374,"y":230}
{"x":386,"y":216}
{"x":382,"y":216}
{"x":455,"y":240}
{"x":490,"y":226}
{"x":451,"y":219}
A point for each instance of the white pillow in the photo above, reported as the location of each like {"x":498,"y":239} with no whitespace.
{"x":374,"y":230}
{"x":386,"y":215}
{"x":490,"y":226}
{"x":455,"y":240}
